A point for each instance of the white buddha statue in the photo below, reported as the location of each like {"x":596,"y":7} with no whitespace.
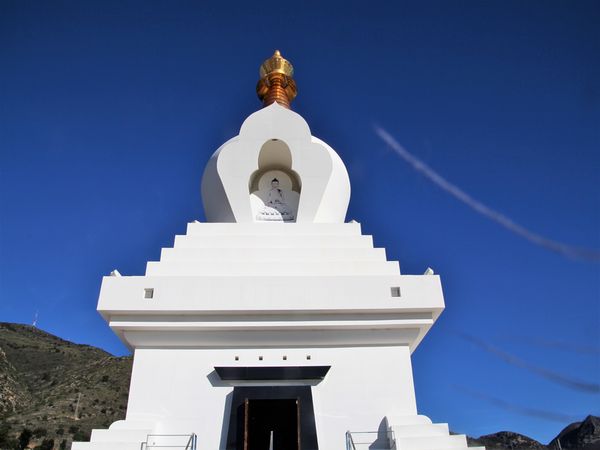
{"x":275,"y":208}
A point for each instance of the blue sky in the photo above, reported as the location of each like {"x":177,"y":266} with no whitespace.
{"x":110,"y":110}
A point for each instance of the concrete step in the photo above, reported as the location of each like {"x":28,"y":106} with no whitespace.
{"x":442,"y":448}
{"x":119,"y":435}
{"x":272,"y":228}
{"x":408,"y":420}
{"x":298,"y":254}
{"x":106,"y":445}
{"x":273,"y":242}
{"x":432,"y":429}
{"x":346,"y":268}
{"x":449,"y":442}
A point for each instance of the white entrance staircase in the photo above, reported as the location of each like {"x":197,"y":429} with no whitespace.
{"x":409,"y":433}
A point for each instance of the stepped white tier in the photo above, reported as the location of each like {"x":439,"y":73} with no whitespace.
{"x":249,"y":325}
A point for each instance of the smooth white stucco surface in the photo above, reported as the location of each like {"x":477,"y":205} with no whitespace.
{"x":325,"y":186}
{"x":346,"y":399}
{"x":271,"y":290}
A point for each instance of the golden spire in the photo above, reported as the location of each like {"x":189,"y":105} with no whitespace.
{"x":276,"y":83}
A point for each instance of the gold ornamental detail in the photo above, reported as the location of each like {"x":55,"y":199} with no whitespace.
{"x":276,"y":82}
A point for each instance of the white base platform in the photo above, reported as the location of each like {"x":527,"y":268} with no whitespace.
{"x":409,"y":433}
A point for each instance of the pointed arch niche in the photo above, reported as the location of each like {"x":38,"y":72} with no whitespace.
{"x":274,"y":187}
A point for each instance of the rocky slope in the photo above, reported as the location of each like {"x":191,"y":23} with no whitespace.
{"x":581,"y":435}
{"x":505,"y":440}
{"x":55,"y":388}
{"x":577,"y":436}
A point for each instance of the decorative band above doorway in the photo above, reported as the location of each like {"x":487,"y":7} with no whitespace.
{"x":272,"y":373}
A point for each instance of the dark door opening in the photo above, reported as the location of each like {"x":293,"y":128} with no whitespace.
{"x":279,"y":417}
{"x":236,"y":423}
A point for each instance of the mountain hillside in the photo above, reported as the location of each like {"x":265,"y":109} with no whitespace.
{"x":581,"y":435}
{"x":505,"y":440}
{"x":577,"y":436}
{"x":55,"y":388}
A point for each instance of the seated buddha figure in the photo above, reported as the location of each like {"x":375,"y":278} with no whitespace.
{"x":275,"y":207}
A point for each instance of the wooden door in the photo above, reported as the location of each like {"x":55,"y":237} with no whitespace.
{"x":298,"y":422}
{"x":246,"y":420}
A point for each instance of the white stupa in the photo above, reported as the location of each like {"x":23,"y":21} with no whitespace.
{"x":275,"y":325}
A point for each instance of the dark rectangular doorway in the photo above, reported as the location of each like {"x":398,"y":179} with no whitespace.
{"x":236,"y":422}
{"x":281,"y":417}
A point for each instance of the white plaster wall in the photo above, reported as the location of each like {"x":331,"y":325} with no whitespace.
{"x":256,"y":289}
{"x":273,"y":228}
{"x":178,"y":390}
{"x":170,"y":388}
{"x":211,"y":294}
{"x":274,"y":241}
{"x":364,"y":386}
{"x":336,"y":195}
{"x":257,"y":255}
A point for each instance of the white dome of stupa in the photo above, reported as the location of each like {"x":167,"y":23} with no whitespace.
{"x":275,"y":170}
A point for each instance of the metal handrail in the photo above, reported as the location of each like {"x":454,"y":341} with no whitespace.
{"x":190,"y":444}
{"x":351,"y":444}
{"x":349,"y":441}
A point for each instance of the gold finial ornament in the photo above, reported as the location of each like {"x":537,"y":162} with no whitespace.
{"x":276,"y":83}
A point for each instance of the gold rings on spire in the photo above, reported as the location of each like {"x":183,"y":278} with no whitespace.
{"x":276,"y":83}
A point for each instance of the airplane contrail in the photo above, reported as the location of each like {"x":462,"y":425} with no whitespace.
{"x":555,"y":377}
{"x":486,"y":211}
{"x":570,"y":347}
{"x":526,"y":411}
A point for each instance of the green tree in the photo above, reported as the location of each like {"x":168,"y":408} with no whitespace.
{"x":24,"y":438}
{"x":6,"y":441}
{"x":47,"y":444}
{"x":4,"y":433}
{"x":81,"y":436}
{"x":40,"y":432}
